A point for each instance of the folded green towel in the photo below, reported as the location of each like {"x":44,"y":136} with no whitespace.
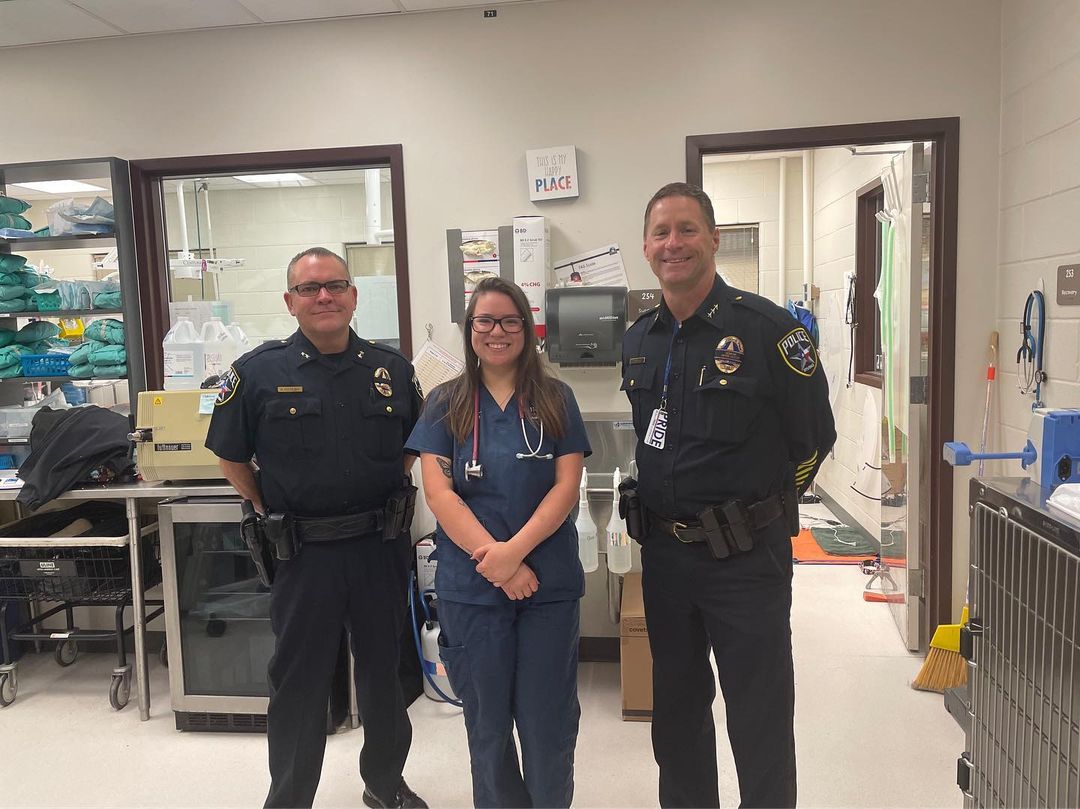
{"x":13,"y":220}
{"x":11,"y":279}
{"x":107,"y":300}
{"x":103,"y":354}
{"x":106,"y":330}
{"x":9,"y":355}
{"x":81,"y":355}
{"x":11,"y":371}
{"x":7,"y":337}
{"x":30,"y":279}
{"x":10,"y":262}
{"x":109,"y":371}
{"x":14,"y":305}
{"x":37,"y":330}
{"x":8,"y":293}
{"x":13,"y":205}
{"x":81,"y":371}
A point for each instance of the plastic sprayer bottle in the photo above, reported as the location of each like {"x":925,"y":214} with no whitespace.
{"x":588,"y":552}
{"x":182,"y":351}
{"x":618,"y":543}
{"x":218,"y":348}
{"x":240,"y":339}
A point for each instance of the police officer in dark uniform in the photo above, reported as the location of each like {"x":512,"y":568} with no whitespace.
{"x":326,"y":414}
{"x":731,"y":410}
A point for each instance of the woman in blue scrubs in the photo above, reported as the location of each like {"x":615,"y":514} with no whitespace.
{"x":501,"y":451}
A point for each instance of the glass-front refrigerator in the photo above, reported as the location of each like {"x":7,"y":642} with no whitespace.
{"x":217,"y":613}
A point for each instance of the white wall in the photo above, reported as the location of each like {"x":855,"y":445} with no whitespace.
{"x":1039,"y":199}
{"x":747,"y":192}
{"x":624,"y":80}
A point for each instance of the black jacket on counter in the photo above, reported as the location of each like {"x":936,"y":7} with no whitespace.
{"x":69,"y":447}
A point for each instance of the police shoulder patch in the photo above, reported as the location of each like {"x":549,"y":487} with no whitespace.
{"x":798,"y":352}
{"x":229,"y":382}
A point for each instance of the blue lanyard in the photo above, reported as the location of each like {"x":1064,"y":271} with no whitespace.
{"x":667,"y":367}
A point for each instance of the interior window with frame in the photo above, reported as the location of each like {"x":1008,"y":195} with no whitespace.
{"x":869,"y":202}
{"x":737,"y":256}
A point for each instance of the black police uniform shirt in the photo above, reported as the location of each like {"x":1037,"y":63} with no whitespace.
{"x":747,"y":403}
{"x":327,"y":432}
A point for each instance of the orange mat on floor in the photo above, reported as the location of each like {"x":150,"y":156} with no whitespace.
{"x":806,"y":551}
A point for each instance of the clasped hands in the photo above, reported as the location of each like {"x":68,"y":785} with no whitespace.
{"x":502,"y":564}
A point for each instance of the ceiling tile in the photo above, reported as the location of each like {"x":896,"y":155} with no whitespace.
{"x":146,"y":16}
{"x":286,"y":10}
{"x":25,"y":22}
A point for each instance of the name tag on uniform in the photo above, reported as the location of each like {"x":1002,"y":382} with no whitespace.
{"x":657,"y":432}
{"x":290,"y":389}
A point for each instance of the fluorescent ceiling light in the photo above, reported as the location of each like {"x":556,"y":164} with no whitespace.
{"x":272,"y":178}
{"x":60,"y":186}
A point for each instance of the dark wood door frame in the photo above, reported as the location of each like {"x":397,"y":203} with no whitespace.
{"x":944,"y":133}
{"x":150,"y":248}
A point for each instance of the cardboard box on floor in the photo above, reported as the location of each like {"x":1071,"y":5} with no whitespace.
{"x":635,"y":657}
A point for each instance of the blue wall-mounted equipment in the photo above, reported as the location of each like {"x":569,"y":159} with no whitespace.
{"x":1051,"y":454}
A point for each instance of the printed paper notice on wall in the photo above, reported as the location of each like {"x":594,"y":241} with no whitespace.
{"x":552,"y":172}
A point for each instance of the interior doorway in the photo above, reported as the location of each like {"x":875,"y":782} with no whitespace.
{"x":898,"y":181}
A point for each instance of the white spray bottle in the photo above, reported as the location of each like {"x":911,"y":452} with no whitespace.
{"x":588,"y":552}
{"x":618,"y":550}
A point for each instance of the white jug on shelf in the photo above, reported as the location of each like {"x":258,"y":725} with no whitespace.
{"x":219,"y":348}
{"x":182,"y":351}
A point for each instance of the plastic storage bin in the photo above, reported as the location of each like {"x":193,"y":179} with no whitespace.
{"x":44,"y":364}
{"x":15,"y":422}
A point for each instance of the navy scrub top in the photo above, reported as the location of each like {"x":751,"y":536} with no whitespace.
{"x":505,"y":498}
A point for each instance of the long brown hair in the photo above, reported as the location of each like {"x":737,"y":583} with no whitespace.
{"x":534,"y":384}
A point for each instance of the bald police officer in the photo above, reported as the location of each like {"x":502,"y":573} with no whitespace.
{"x":732,"y":412}
{"x":326,"y":414}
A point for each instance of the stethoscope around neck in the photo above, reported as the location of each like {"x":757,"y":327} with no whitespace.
{"x":473,"y":469}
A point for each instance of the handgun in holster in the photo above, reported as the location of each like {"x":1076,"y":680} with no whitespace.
{"x":632,"y":510}
{"x":281,"y":532}
{"x":398,"y":514}
{"x":254,"y":536}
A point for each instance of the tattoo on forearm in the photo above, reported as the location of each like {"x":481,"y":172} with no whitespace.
{"x":460,"y":502}
{"x":444,"y":465}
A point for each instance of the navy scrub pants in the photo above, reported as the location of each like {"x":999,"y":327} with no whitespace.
{"x":362,"y":584}
{"x":516,"y":663}
{"x":741,"y":608}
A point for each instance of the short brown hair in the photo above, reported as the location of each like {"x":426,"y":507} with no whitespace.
{"x":682,"y":190}
{"x":313,"y":252}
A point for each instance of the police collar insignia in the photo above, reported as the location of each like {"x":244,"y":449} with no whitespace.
{"x":729,"y":354}
{"x":229,"y":382}
{"x":712,"y":311}
{"x":798,"y":352}
{"x":382,"y":382}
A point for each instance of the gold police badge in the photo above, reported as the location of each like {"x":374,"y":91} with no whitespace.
{"x":382,"y":382}
{"x":729,"y":354}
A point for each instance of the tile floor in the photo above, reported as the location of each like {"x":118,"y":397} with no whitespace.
{"x":865,"y":738}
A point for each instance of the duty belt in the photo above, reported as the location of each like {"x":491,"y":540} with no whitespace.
{"x":329,"y":529}
{"x":758,"y":516}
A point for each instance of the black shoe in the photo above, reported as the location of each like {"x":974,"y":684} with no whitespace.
{"x":405,"y":798}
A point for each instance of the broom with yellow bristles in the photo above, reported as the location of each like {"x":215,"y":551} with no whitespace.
{"x":944,"y":666}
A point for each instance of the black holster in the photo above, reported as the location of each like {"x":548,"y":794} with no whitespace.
{"x":632,"y":510}
{"x":252,"y":531}
{"x":281,"y":531}
{"x":398,"y":513}
{"x":735,"y":536}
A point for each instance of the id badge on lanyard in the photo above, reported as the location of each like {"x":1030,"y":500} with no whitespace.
{"x":656,"y":434}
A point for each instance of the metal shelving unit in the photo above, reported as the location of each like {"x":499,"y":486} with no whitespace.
{"x":123,"y":239}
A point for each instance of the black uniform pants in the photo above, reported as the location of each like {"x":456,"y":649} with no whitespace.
{"x":362,"y":584}
{"x":740,"y":607}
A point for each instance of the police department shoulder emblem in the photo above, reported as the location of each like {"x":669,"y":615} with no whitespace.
{"x":798,"y":352}
{"x":729,"y":354}
{"x":228,"y":384}
{"x":416,"y":384}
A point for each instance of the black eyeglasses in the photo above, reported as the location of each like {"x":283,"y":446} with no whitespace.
{"x":309,"y":289}
{"x":511,"y":324}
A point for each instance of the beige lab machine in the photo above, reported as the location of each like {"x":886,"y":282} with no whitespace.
{"x":170,"y":434}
